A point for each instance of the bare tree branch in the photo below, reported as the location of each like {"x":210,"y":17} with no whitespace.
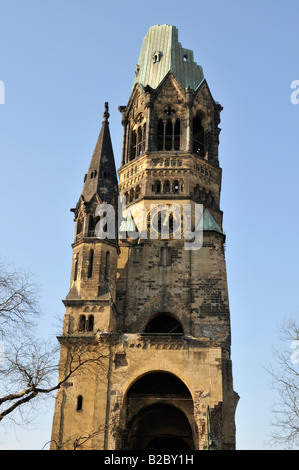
{"x":285,"y":380}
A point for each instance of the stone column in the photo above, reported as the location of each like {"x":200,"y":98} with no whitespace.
{"x":189,"y":96}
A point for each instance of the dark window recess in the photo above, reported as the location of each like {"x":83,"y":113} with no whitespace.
{"x":159,"y":383}
{"x":90,"y":323}
{"x":79,"y":226}
{"x":82,"y":322}
{"x":199,"y":146}
{"x":164,"y":324}
{"x":90,"y":265}
{"x":168,"y":134}
{"x":79,"y":403}
{"x":138,"y":142}
{"x":120,"y":360}
{"x":86,"y":324}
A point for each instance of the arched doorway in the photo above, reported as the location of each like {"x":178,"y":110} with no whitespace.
{"x":159,"y":410}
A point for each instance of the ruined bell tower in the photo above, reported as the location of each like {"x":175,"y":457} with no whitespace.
{"x":147,"y":314}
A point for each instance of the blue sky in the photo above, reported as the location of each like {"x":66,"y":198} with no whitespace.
{"x":61,"y":60}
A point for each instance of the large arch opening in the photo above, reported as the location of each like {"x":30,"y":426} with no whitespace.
{"x":160,"y":427}
{"x":164,"y":324}
{"x":159,"y":414}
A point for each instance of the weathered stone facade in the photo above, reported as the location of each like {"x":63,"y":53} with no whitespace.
{"x":153,"y":314}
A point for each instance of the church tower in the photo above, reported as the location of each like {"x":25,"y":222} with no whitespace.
{"x":146,"y":338}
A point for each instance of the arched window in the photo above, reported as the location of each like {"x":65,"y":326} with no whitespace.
{"x":82,"y":322}
{"x":198,"y":137}
{"x":91,"y":226}
{"x":133,"y":145}
{"x":157,"y":426}
{"x":79,"y":403}
{"x":176,"y":187}
{"x":157,"y":186}
{"x":138,"y":141}
{"x":168,"y":135}
{"x":90,"y":323}
{"x":90,"y":264}
{"x":166,"y":187}
{"x":164,"y":324}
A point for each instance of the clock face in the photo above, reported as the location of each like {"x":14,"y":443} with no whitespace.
{"x":165,"y":221}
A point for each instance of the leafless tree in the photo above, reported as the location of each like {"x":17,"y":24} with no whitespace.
{"x":32,"y":371}
{"x":19,"y":306}
{"x":82,"y":440}
{"x":285,"y":380}
{"x":29,"y":367}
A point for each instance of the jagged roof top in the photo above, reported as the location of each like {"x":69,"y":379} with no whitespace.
{"x":160,"y":53}
{"x":101,"y":178}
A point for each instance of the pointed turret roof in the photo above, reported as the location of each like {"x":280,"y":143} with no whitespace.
{"x":128,"y":224}
{"x":207,"y":223}
{"x":160,"y":53}
{"x":101,"y":178}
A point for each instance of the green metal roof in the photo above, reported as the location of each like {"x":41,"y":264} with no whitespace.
{"x":207,"y":223}
{"x":160,"y":53}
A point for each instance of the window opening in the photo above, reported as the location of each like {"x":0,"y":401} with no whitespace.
{"x":176,"y":187}
{"x":79,"y":226}
{"x":79,"y":403}
{"x":82,"y":322}
{"x":90,"y":323}
{"x":198,"y":137}
{"x":169,"y":132}
{"x":90,"y":264}
{"x":164,"y":324}
{"x":167,"y":187}
{"x":168,"y":135}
